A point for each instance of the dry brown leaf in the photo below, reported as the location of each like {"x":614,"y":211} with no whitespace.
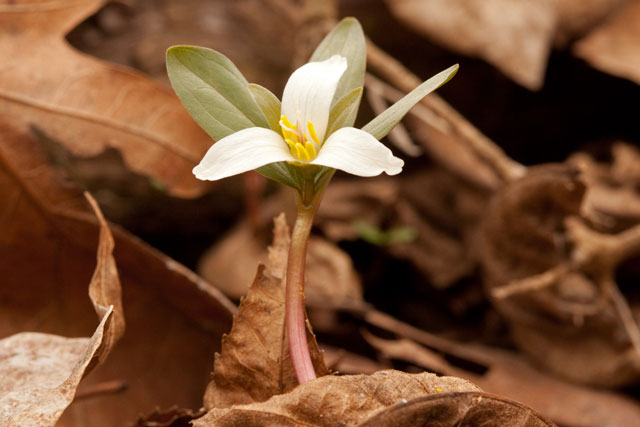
{"x":513,"y":36}
{"x":455,"y":409}
{"x":613,"y":46}
{"x":40,"y":371}
{"x":88,"y":104}
{"x":254,"y":363}
{"x":552,"y":277}
{"x":175,"y":318}
{"x":40,"y":374}
{"x":506,"y":373}
{"x":331,"y":400}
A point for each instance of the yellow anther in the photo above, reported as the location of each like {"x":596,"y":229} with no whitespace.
{"x":284,"y":122}
{"x":312,"y":133}
{"x":310,"y":149}
{"x":302,"y":152}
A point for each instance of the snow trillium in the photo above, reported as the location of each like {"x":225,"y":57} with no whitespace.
{"x":299,"y":142}
{"x":304,"y":117}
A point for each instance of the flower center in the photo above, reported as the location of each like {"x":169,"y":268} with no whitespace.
{"x":298,"y":141}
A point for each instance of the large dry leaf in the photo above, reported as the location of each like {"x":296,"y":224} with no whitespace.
{"x":514,"y":36}
{"x":254,"y":363}
{"x":553,"y":279}
{"x":175,"y":319}
{"x":455,"y":409}
{"x":41,"y":372}
{"x":613,"y":47}
{"x":332,"y":400}
{"x":505,"y":373}
{"x":88,"y":104}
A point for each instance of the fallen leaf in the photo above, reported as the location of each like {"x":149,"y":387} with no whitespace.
{"x":174,"y":318}
{"x":41,"y":372}
{"x":613,"y":46}
{"x":513,"y":36}
{"x":331,"y":400}
{"x":457,"y":409}
{"x":552,"y":277}
{"x":504,"y":373}
{"x":88,"y":104}
{"x":254,"y":362}
{"x":173,"y":417}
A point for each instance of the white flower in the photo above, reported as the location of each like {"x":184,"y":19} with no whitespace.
{"x":304,"y":118}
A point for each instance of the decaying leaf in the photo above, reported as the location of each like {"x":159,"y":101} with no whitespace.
{"x":459,"y":409}
{"x":613,"y":46}
{"x":47,"y":253}
{"x":90,"y":105}
{"x":552,"y":276}
{"x":504,"y":373}
{"x":41,"y":371}
{"x":331,"y":400}
{"x":516,"y":37}
{"x":254,"y":363}
{"x":40,"y":374}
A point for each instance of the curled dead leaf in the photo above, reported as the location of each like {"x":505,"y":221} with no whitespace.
{"x":42,"y":371}
{"x":552,"y":277}
{"x":330,"y":400}
{"x":254,"y":362}
{"x":47,"y":254}
{"x":454,"y":409}
{"x":504,"y":373}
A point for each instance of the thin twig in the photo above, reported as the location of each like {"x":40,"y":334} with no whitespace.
{"x":531,"y":283}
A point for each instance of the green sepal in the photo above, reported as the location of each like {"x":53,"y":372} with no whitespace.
{"x":346,"y":39}
{"x":382,"y":125}
{"x":284,"y":173}
{"x":268,"y":103}
{"x":341,"y":113}
{"x":213,"y":91}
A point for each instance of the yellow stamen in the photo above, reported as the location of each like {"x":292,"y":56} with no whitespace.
{"x":303,"y":154}
{"x":298,"y":142}
{"x":310,"y":149}
{"x":312,"y":133}
{"x":285,"y":121}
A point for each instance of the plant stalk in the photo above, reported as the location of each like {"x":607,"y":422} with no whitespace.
{"x":307,"y":203}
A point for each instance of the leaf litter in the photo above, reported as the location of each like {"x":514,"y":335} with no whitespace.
{"x":471,"y":167}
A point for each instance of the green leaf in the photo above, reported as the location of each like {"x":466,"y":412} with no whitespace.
{"x":340,"y":115}
{"x":213,"y":91}
{"x":376,"y":236}
{"x":346,"y":39}
{"x":268,"y":103}
{"x":382,"y":125}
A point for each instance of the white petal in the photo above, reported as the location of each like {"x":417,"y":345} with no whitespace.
{"x":309,"y":91}
{"x":242,"y":151}
{"x":357,"y":152}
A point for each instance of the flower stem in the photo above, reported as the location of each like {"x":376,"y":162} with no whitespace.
{"x":308,"y":202}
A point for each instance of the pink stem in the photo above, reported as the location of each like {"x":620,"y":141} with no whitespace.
{"x":294,"y":293}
